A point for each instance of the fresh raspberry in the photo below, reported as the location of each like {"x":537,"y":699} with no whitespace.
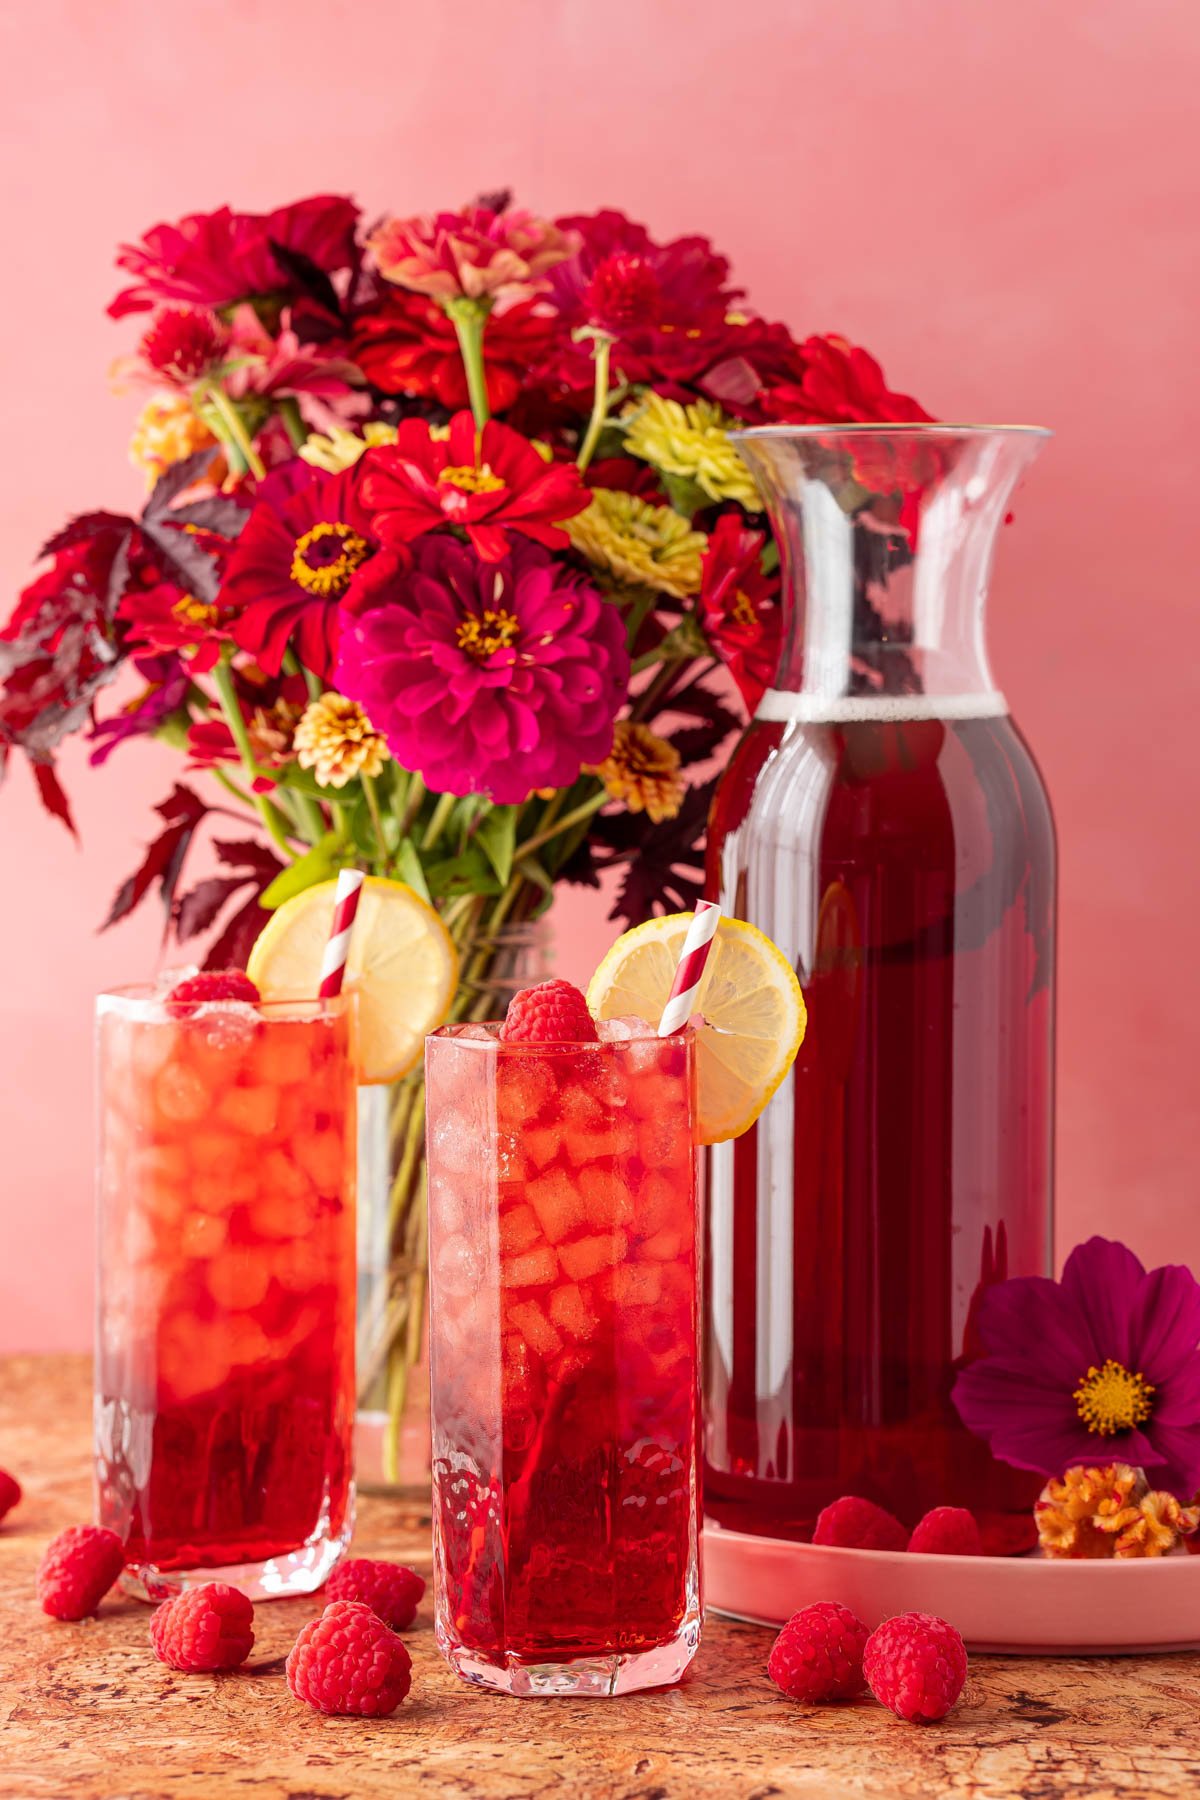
{"x":819,"y":1654}
{"x":348,"y":1661}
{"x":855,"y":1524}
{"x":77,"y":1569}
{"x":209,"y":1627}
{"x":1007,"y":1534}
{"x":553,"y":1012}
{"x":915,"y":1665}
{"x":947,"y":1531}
{"x":389,"y":1589}
{"x":10,"y":1492}
{"x":217,"y":984}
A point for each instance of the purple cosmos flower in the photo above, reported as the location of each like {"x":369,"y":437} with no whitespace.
{"x":1099,"y":1367}
{"x":488,"y":678}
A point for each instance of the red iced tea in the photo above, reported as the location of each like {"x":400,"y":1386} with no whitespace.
{"x":562,"y":1207}
{"x":225,"y":1354}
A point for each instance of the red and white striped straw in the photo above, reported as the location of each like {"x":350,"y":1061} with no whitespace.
{"x":345,"y":906}
{"x":690,"y":971}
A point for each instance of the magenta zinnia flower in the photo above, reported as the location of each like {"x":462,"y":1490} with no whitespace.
{"x":213,"y":259}
{"x":1099,"y":1367}
{"x":488,"y":678}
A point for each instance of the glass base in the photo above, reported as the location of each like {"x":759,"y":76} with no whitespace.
{"x":583,"y":1677}
{"x":300,"y":1571}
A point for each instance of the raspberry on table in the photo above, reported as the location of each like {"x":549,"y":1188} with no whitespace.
{"x":77,"y":1569}
{"x":915,"y":1665}
{"x":205,"y":1628}
{"x":819,"y":1654}
{"x":215,"y":984}
{"x":389,"y":1589}
{"x":348,"y":1661}
{"x":553,"y":1012}
{"x":10,"y":1492}
{"x":855,"y":1524}
{"x":947,"y":1531}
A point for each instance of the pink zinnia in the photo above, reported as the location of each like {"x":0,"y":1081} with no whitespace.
{"x":213,"y":259}
{"x":487,"y":678}
{"x":476,"y":253}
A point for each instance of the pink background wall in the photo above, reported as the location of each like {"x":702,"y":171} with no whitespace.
{"x":998,"y":200}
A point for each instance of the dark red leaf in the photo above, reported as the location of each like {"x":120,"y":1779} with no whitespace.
{"x":248,"y":854}
{"x":200,"y":906}
{"x":86,"y":525}
{"x":52,"y":796}
{"x":182,"y":811}
{"x":220,"y":513}
{"x":189,"y":561}
{"x":233,"y":947}
{"x":175,"y":480}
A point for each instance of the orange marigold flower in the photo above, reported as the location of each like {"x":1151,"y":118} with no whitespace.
{"x":642,"y":769}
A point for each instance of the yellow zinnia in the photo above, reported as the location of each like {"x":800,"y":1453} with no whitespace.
{"x":337,"y":741}
{"x":339,"y":449}
{"x":167,"y":431}
{"x":651,"y":546}
{"x":691,"y":442}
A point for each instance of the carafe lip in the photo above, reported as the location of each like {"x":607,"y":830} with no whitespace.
{"x":899,"y":428}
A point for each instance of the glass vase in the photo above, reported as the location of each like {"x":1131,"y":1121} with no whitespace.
{"x":884,"y":822}
{"x":392,"y":1440}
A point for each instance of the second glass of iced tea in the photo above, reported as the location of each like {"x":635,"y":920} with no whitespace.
{"x":225,"y":1344}
{"x":564,"y":1299}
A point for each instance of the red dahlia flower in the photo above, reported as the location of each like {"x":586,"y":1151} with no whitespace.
{"x":293,"y":565}
{"x":488,"y":677}
{"x":407,"y":345}
{"x":476,"y":253}
{"x":214,"y":259}
{"x":737,"y":607}
{"x":491,"y":483}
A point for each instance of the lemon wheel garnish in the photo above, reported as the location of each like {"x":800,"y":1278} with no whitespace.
{"x":754,"y":1014}
{"x":402,"y":965}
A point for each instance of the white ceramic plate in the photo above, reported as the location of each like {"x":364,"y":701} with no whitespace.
{"x":1015,"y":1605}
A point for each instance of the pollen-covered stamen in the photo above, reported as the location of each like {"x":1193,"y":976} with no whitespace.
{"x":469,"y":479}
{"x":1113,"y":1398}
{"x":742,"y":611}
{"x":481,"y":636}
{"x":191,"y":611}
{"x":326,"y":557}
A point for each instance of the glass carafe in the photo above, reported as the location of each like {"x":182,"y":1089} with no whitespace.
{"x":883,"y":821}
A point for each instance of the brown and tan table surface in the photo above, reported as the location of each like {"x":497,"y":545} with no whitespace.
{"x":86,"y":1711}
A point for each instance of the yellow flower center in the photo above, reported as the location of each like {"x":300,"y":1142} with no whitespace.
{"x":326,"y":557}
{"x":470,"y":480}
{"x":1113,"y":1399}
{"x":190,"y":611}
{"x":481,"y":637}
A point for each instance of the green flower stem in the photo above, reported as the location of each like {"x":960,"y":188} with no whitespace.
{"x":441,"y":813}
{"x":231,"y":787}
{"x":469,"y":318}
{"x":271,"y":818}
{"x":576,"y":816}
{"x":372,"y":799}
{"x":234,"y":431}
{"x":412,"y":803}
{"x":655,"y":695}
{"x":292,"y":664}
{"x":289,"y":412}
{"x":601,"y":351}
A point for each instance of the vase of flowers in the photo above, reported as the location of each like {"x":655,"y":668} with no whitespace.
{"x":448,"y":569}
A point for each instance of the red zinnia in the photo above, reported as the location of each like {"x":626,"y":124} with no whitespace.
{"x":407,"y":345}
{"x":165,"y":618}
{"x":293,"y":564}
{"x":183,"y":342}
{"x":214,"y":259}
{"x":478,"y":252}
{"x":837,"y":383}
{"x":490,"y":483}
{"x":737,"y":607}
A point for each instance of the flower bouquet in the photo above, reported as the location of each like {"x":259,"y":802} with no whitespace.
{"x":448,"y":569}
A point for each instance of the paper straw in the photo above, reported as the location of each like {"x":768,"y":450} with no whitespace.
{"x":690,"y":971}
{"x":345,"y":906}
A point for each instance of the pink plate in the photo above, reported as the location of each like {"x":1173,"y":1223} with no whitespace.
{"x":1016,"y":1605}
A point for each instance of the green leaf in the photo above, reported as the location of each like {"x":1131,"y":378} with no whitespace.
{"x":409,"y":868}
{"x":293,"y":776}
{"x":470,"y":873}
{"x":532,"y":870}
{"x":497,"y":832}
{"x":684,"y":495}
{"x":321,"y":863}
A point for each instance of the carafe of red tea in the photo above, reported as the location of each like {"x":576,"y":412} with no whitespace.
{"x":884,"y":822}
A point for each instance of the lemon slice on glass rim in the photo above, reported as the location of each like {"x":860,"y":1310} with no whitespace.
{"x":754,"y":1013}
{"x":402,"y":964}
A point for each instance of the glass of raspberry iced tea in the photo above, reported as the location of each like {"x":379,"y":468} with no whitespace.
{"x":563,"y":1242}
{"x":225,"y":1341}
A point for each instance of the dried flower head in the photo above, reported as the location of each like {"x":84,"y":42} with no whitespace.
{"x":337,"y":741}
{"x":693,"y":443}
{"x":1073,"y":1511}
{"x":651,"y":546}
{"x":1151,"y":1527}
{"x":642,"y":769}
{"x":272,"y":731}
{"x":167,"y":431}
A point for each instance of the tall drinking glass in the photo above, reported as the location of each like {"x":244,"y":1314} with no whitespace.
{"x":563,"y":1260}
{"x":225,"y":1344}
